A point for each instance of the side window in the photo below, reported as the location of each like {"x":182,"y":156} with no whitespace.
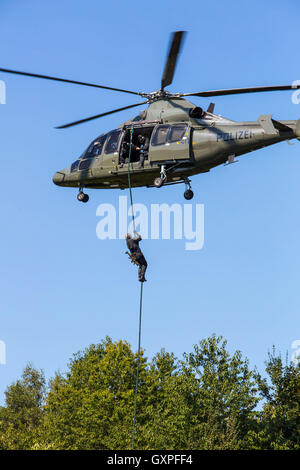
{"x":85,"y":164}
{"x":112,"y":141}
{"x":96,"y":147}
{"x":75,"y":165}
{"x":177,"y":133}
{"x":160,"y":135}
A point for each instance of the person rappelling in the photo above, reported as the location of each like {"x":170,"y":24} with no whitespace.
{"x":136,"y":254}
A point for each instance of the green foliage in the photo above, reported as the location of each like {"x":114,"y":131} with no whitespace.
{"x":279,"y":422}
{"x":91,"y":408}
{"x":21,"y":419}
{"x":206,"y":400}
{"x":224,"y":396}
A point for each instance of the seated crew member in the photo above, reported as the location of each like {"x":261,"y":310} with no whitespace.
{"x":142,"y":147}
{"x":134,"y":248}
{"x":124,"y":153}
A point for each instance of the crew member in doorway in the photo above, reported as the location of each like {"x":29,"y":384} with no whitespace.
{"x":124,"y":153}
{"x":134,"y":248}
{"x":142,"y":147}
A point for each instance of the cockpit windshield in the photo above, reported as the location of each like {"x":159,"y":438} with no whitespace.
{"x":96,"y":147}
{"x":75,"y":166}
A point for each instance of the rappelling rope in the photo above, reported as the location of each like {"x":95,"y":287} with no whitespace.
{"x":138,"y":366}
{"x":129,"y":181}
{"x":141,"y":301}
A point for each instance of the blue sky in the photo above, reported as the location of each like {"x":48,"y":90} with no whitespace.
{"x":61,"y":287}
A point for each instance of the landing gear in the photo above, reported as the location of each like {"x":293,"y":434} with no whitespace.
{"x":82,"y":197}
{"x":188,"y":193}
{"x":159,"y":181}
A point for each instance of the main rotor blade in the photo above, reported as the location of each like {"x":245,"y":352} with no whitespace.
{"x":47,"y":77}
{"x":99,"y":115}
{"x":238,"y":91}
{"x":174,"y":50}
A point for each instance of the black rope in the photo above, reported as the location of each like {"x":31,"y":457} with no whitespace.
{"x":138,"y":366}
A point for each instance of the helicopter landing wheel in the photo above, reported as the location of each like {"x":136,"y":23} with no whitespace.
{"x":188,"y":194}
{"x":82,"y":197}
{"x":158,"y":182}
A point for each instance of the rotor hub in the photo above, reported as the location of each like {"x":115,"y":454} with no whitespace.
{"x":157,"y":95}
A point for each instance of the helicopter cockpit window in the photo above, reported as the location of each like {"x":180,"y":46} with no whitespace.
{"x":85,"y":164}
{"x":160,"y":135}
{"x":177,"y":133}
{"x":75,"y":165}
{"x":96,"y":147}
{"x":112,"y":141}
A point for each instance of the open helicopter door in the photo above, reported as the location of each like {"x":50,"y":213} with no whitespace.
{"x":170,"y":142}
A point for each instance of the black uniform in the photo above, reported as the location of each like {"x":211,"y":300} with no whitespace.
{"x":124,"y":152}
{"x":143,"y":144}
{"x":134,"y":248}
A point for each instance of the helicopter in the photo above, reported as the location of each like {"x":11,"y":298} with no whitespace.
{"x":183,"y":139}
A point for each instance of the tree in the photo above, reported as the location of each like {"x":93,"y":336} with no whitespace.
{"x":92,"y":406}
{"x":223,"y":396}
{"x":20,"y":420}
{"x":162,"y":408}
{"x":278,"y":425}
